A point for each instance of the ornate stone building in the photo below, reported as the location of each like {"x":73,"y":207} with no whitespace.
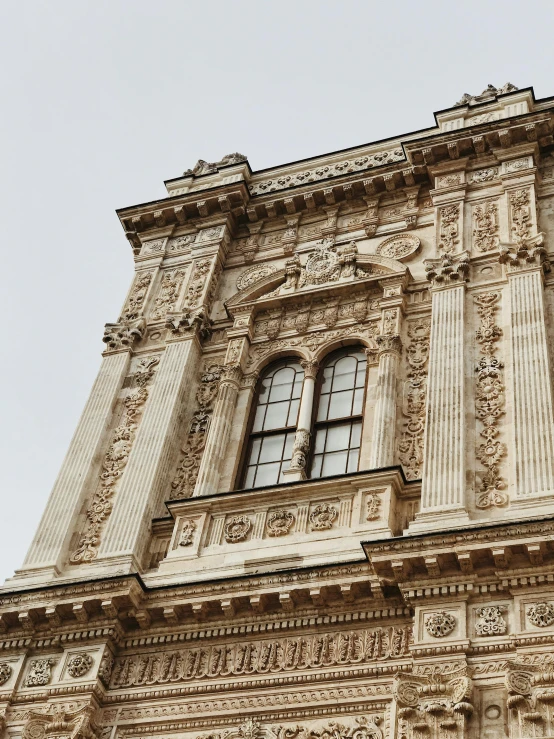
{"x":311,"y":494}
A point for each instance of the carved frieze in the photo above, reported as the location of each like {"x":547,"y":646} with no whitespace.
{"x":237,"y":529}
{"x":115,"y":461}
{"x":322,"y":517}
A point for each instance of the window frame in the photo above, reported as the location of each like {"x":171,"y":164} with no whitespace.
{"x":251,"y":434}
{"x":315,"y":424}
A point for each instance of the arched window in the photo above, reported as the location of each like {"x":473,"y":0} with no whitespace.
{"x":274,"y":425}
{"x":338,"y":421}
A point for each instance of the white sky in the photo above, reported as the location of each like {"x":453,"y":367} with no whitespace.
{"x":102,"y":101}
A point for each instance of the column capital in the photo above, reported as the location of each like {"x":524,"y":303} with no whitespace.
{"x":447,"y":271}
{"x":124,"y":335}
{"x":310,"y":367}
{"x":232,"y":375}
{"x":526,"y":254}
{"x":188,"y":324}
{"x":389,"y":343}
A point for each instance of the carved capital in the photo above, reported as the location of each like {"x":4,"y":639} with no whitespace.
{"x":525,"y":254}
{"x":310,"y":367}
{"x":448,"y":269}
{"x":123,"y":336}
{"x":389,"y":343}
{"x":189,"y":323}
{"x":232,"y":375}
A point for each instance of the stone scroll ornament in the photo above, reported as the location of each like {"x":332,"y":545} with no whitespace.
{"x":236,"y":529}
{"x":322,"y":517}
{"x":489,"y":404}
{"x":115,"y":461}
{"x":279,"y":523}
{"x":490,"y":621}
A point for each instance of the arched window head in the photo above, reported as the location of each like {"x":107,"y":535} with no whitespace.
{"x":338,"y":419}
{"x":274,"y":424}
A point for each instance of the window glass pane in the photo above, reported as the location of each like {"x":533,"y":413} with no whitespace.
{"x":249,"y":480}
{"x":272,"y":448}
{"x":345,"y":381}
{"x":341,"y":404}
{"x":289,"y":443}
{"x":334,"y":464}
{"x":355,"y":434}
{"x":268,"y":474}
{"x":337,"y":437}
{"x":297,"y":390}
{"x":259,"y":418}
{"x":360,"y":376}
{"x":357,"y":407}
{"x":293,"y":413}
{"x":276,"y":416}
{"x":320,"y":440}
{"x":254,"y":451}
{"x":316,"y":466}
{"x":323,"y":408}
{"x":353,"y":460}
{"x":281,"y":388}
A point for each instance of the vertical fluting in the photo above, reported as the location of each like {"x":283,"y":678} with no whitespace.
{"x":443,"y":484}
{"x":533,"y":413}
{"x":70,"y":486}
{"x":218,"y":437}
{"x":143,"y":480}
{"x":382,"y":450}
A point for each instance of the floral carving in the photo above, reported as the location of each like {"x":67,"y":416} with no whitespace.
{"x":485,"y":226}
{"x":448,"y":237}
{"x":252,"y":275}
{"x":272,"y":656}
{"x":5,"y":672}
{"x":186,"y":475}
{"x":236,"y":529}
{"x":410,"y":447}
{"x":180,"y":243}
{"x":279,"y":522}
{"x":124,"y":335}
{"x":79,"y":664}
{"x":398,"y":247}
{"x":489,"y":404}
{"x":440,"y":624}
{"x":300,"y":449}
{"x":115,"y":461}
{"x":40,"y":672}
{"x":168,"y":294}
{"x":322,"y":517}
{"x":484,"y":175}
{"x":197,"y":283}
{"x":373,"y":503}
{"x":541,"y":614}
{"x":135,"y":304}
{"x":187,"y":533}
{"x":326,"y":171}
{"x":106,"y":667}
{"x":490,"y":621}
{"x":520,"y":215}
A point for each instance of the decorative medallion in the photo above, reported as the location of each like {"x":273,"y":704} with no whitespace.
{"x":399,"y":247}
{"x":40,"y":672}
{"x":323,"y":264}
{"x":279,"y":523}
{"x":5,"y":672}
{"x":541,"y":614}
{"x":79,"y":664}
{"x":253,"y":274}
{"x":237,"y":528}
{"x":187,"y":533}
{"x":490,"y":621}
{"x":440,"y":624}
{"x":322,"y":517}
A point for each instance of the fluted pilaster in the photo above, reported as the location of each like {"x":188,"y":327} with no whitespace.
{"x":65,"y":501}
{"x":145,"y":475}
{"x":384,"y":425}
{"x":218,"y":433}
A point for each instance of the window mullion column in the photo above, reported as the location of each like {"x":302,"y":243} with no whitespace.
{"x":301,"y":448}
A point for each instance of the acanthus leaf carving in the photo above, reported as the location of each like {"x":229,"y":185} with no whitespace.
{"x":124,"y":335}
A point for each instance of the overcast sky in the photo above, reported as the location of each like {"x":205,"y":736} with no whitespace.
{"x":102,"y":101}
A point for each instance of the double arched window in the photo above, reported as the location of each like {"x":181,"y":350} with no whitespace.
{"x":336,"y":426}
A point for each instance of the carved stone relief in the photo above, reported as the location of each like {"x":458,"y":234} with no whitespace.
{"x":168,"y":293}
{"x":399,"y":247}
{"x":485,"y":226}
{"x":279,"y":522}
{"x":40,"y":672}
{"x":489,"y":404}
{"x":322,"y":517}
{"x":541,"y":614}
{"x":5,"y":672}
{"x":79,"y":664}
{"x":410,"y":447}
{"x":520,"y":214}
{"x":448,"y":235}
{"x":236,"y":529}
{"x":253,"y":274}
{"x":114,"y":462}
{"x":440,"y":624}
{"x":490,"y":621}
{"x":135,"y":303}
{"x":187,"y":532}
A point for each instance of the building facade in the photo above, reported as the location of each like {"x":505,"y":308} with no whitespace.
{"x":311,"y":494}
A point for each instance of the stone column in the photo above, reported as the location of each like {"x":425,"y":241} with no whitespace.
{"x":143,"y":482}
{"x":297,"y":469}
{"x":57,"y":523}
{"x":531,"y":370}
{"x":384,"y":422}
{"x":443,"y":485}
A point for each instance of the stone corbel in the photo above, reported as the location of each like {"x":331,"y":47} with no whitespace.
{"x":124,"y":335}
{"x":252,"y":242}
{"x":288,"y":240}
{"x":371,"y":220}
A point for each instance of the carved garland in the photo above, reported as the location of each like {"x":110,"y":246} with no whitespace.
{"x":489,"y":404}
{"x":114,"y":462}
{"x":410,"y":447}
{"x":185,"y":478}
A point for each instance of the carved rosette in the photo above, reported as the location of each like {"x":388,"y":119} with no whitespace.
{"x":237,"y":529}
{"x":399,"y":247}
{"x":410,"y":447}
{"x":440,"y":624}
{"x":279,"y":522}
{"x":541,"y":614}
{"x":5,"y":672}
{"x":79,"y":664}
{"x":115,"y":461}
{"x":489,"y":404}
